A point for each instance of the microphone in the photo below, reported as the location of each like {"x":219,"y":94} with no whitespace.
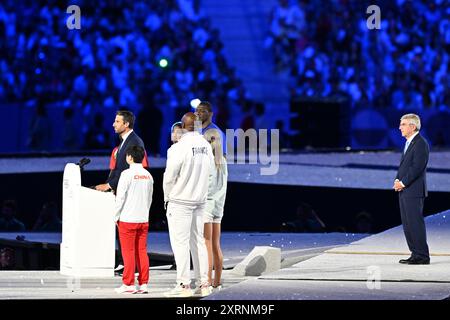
{"x":83,"y":162}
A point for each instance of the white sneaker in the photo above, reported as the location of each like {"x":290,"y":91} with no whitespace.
{"x":204,"y":290}
{"x":142,"y":289}
{"x":180,"y":291}
{"x":119,"y":267}
{"x":217,"y":289}
{"x":126,"y":289}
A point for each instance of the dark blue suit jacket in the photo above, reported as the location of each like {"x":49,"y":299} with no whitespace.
{"x":412,"y":169}
{"x":121,"y":162}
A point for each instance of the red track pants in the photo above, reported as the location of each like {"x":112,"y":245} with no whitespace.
{"x":133,"y":241}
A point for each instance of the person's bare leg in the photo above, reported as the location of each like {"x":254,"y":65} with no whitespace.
{"x":217,"y":254}
{"x":207,"y":234}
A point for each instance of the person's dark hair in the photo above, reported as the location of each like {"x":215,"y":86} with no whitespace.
{"x":128,"y":116}
{"x":205,"y":104}
{"x":177,"y":124}
{"x":137,"y":153}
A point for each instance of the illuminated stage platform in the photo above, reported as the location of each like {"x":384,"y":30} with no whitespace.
{"x":367,"y":269}
{"x":314,"y":267}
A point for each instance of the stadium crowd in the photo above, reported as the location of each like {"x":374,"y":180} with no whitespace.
{"x":328,"y":50}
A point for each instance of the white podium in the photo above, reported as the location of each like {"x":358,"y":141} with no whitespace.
{"x":88,"y":233}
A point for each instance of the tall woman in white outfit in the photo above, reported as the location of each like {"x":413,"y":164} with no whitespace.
{"x":214,"y":208}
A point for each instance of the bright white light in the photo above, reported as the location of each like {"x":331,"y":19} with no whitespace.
{"x":195,"y":103}
{"x":163,"y":63}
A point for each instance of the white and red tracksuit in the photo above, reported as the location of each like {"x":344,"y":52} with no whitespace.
{"x":185,"y":184}
{"x":133,"y":201}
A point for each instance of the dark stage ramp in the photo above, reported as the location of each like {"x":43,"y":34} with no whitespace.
{"x":338,"y":186}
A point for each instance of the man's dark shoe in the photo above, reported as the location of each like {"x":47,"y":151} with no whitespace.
{"x":419,"y":261}
{"x":406,"y":261}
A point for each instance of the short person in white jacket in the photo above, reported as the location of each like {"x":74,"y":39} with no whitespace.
{"x":185,"y":184}
{"x":133,"y":201}
{"x":214,"y":208}
{"x":175,"y":132}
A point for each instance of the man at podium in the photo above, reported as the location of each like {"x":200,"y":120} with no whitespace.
{"x":123,"y":126}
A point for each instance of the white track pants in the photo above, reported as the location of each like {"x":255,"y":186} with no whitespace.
{"x":186,"y":236}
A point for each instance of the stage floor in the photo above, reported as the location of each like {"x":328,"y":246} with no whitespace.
{"x":295,"y":247}
{"x":367,"y":269}
{"x":366,"y":170}
{"x":21,"y":285}
{"x":321,"y":267}
{"x":235,"y":245}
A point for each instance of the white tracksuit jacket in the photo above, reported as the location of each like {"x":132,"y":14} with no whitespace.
{"x":189,"y":165}
{"x":134,"y":195}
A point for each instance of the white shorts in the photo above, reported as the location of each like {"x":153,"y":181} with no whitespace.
{"x":213,"y":212}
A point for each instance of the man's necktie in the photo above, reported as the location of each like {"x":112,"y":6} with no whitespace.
{"x":120,"y":144}
{"x":406,"y":146}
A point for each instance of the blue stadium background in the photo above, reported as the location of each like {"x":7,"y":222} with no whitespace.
{"x":60,"y":88}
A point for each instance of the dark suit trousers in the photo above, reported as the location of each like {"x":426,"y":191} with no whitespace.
{"x":411,"y":211}
{"x":119,"y":259}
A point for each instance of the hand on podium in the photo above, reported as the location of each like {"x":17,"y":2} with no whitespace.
{"x":103,"y":187}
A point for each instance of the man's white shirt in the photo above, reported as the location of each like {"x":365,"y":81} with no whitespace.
{"x":411,"y":138}
{"x":125,"y":136}
{"x":189,"y":165}
{"x":134,"y":195}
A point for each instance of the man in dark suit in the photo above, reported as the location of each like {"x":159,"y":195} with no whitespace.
{"x":411,"y":185}
{"x":123,"y":126}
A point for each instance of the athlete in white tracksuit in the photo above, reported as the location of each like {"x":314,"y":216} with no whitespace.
{"x":185,"y":184}
{"x":133,"y":201}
